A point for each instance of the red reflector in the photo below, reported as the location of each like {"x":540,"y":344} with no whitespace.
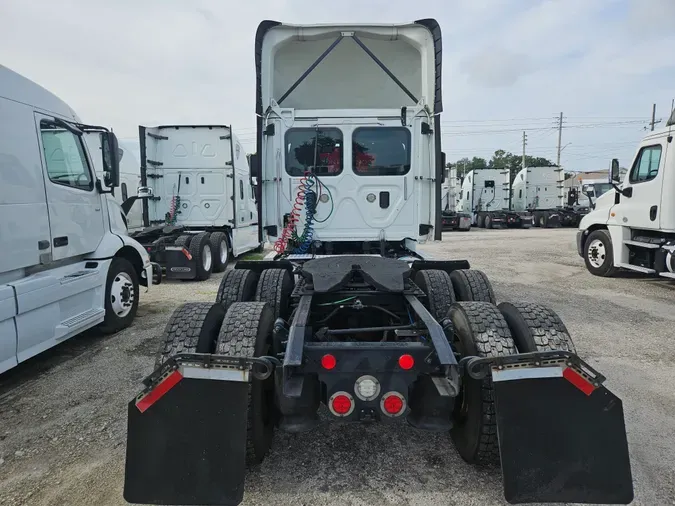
{"x":328,"y":362}
{"x":406,"y":362}
{"x":158,"y":392}
{"x":187,"y":254}
{"x":393,"y":404}
{"x":578,"y":381}
{"x":342,"y":404}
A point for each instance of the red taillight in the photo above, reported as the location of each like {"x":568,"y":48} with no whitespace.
{"x":406,"y":362}
{"x":393,"y":404}
{"x":187,"y":254}
{"x":341,"y":404}
{"x":328,"y":361}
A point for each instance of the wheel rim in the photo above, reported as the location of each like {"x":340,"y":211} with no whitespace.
{"x":596,"y":253}
{"x":122,"y":294}
{"x":223,"y":252}
{"x":207,"y":258}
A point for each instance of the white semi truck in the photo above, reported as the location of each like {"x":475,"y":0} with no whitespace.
{"x":68,"y":263}
{"x":486,"y":195}
{"x":633,"y":226}
{"x":540,"y":191}
{"x":201,"y":209}
{"x":452,"y":218}
{"x":348,"y":313}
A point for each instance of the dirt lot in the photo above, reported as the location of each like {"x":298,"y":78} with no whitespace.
{"x":63,"y":414}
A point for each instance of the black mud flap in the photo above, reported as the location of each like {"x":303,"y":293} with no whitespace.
{"x":186,"y":439}
{"x":179,"y":263}
{"x":562,"y":437}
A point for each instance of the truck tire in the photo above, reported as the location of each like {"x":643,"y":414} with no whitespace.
{"x":536,"y":328}
{"x":202,"y":254}
{"x":192,"y":328}
{"x":183,"y":241}
{"x":488,"y":221}
{"x":438,"y":287}
{"x":237,"y":285}
{"x":220,"y":249}
{"x":275,"y":287}
{"x":121,"y":296}
{"x":479,"y":330}
{"x":472,"y":285}
{"x":247,"y":332}
{"x":543,"y":220}
{"x":599,"y":254}
{"x":480,"y":220}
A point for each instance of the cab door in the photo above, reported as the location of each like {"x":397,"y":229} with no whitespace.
{"x":74,"y":205}
{"x":645,"y":180}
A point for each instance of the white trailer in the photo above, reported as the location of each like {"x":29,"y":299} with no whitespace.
{"x":202,"y":210}
{"x":130,"y":176}
{"x":633,"y":226}
{"x":540,"y":191}
{"x":68,"y":263}
{"x":486,"y":194}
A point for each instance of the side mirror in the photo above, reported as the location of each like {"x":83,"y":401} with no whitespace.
{"x":144,"y":192}
{"x":111,"y":159}
{"x":444,"y":170}
{"x":255,"y":166}
{"x":615,"y":173}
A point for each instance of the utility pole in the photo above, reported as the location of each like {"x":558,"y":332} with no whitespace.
{"x":653,"y":116}
{"x":524,"y":144}
{"x":560,"y":123}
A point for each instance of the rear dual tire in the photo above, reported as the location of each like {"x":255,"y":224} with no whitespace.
{"x":244,"y":330}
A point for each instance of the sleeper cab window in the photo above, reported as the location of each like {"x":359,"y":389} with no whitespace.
{"x":381,"y":151}
{"x":64,"y":157}
{"x":314,"y":150}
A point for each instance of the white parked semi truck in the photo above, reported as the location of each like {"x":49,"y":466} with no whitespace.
{"x":633,"y":226}
{"x":201,"y":209}
{"x":540,"y":191}
{"x":349,"y":313}
{"x":452,"y":218}
{"x":486,"y":195}
{"x":68,"y":263}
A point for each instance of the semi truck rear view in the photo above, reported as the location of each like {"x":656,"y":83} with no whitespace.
{"x":201,"y":210}
{"x":349,"y":314}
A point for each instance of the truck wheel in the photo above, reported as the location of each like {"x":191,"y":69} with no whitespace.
{"x":275,"y":287}
{"x":247,"y":332}
{"x":183,"y":241}
{"x":599,"y":254}
{"x":237,"y":285}
{"x":488,"y":221}
{"x":480,"y":221}
{"x":220,"y":250}
{"x":192,"y":328}
{"x":472,"y":285}
{"x":536,"y":328}
{"x":202,"y":254}
{"x":479,"y":330}
{"x":438,"y":287}
{"x":121,"y":296}
{"x":543,"y":220}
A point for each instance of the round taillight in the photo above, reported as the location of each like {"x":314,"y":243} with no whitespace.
{"x":341,"y":404}
{"x":393,"y":404}
{"x":406,"y":362}
{"x":328,"y":361}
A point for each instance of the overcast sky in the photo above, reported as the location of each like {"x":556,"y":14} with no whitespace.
{"x":507,"y":65}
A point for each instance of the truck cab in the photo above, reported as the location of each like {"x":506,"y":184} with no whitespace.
{"x":364,"y":152}
{"x":68,"y":263}
{"x":633,"y":226}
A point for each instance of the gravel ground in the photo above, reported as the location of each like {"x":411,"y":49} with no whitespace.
{"x":63,"y":414}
